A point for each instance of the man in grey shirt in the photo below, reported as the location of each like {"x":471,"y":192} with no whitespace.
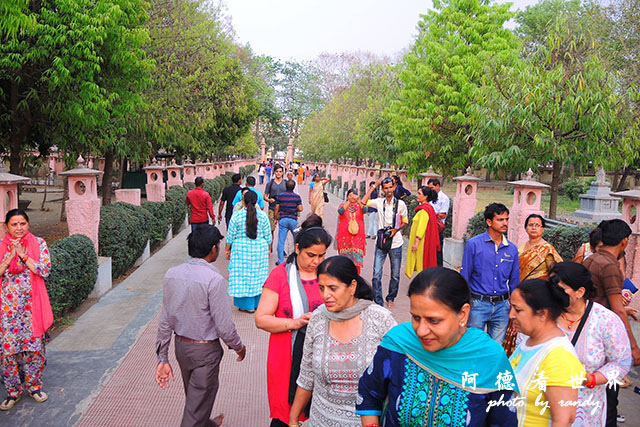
{"x":195,"y":306}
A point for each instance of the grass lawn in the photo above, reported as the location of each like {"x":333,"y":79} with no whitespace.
{"x":491,"y":195}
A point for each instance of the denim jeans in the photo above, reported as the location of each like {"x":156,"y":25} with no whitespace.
{"x":372,"y":228}
{"x":284,"y":226}
{"x":395,"y":257}
{"x":261,"y":179}
{"x":195,"y":225}
{"x":493,"y":315}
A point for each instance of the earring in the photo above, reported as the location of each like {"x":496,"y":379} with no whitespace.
{"x":462,"y":325}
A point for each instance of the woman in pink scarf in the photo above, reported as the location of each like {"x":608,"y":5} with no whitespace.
{"x":25,"y":311}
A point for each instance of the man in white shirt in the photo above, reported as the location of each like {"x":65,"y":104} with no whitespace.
{"x":441,"y":206}
{"x":392,"y":213}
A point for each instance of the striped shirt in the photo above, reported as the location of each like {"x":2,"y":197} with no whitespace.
{"x":289,"y":203}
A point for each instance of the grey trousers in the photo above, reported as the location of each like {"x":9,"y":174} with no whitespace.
{"x":200,"y":365}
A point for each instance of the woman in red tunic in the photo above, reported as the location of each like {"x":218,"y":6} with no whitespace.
{"x":351,"y":237}
{"x":289,"y":296}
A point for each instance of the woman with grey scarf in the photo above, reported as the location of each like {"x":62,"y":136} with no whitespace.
{"x":341,"y":339}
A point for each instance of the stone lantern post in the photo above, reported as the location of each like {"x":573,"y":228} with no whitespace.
{"x":527,"y":196}
{"x":83,"y":206}
{"x":208,"y":170}
{"x":426,"y":176}
{"x":464,"y":207}
{"x":630,"y":208}
{"x":155,"y":185}
{"x":189,"y":172}
{"x":8,"y":194}
{"x":263,"y":152}
{"x":173,"y":174}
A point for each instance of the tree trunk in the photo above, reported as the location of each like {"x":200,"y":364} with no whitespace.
{"x":555,"y":181}
{"x":487,"y":177}
{"x":44,"y":197}
{"x":123,"y":169}
{"x":65,"y":196}
{"x":107,"y":178}
{"x":614,"y":180}
{"x":625,"y":174}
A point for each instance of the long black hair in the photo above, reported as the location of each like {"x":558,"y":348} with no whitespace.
{"x":542,"y":294}
{"x":311,"y":233}
{"x":429,"y":193}
{"x":343,"y":269}
{"x":15,"y":212}
{"x":574,"y":275}
{"x":250,"y":198}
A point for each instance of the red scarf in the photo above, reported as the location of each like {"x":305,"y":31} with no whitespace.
{"x":41,"y":314}
{"x":431,"y":239}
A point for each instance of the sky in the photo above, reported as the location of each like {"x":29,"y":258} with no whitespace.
{"x":300,"y":30}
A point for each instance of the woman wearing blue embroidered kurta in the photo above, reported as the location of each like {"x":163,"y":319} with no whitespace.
{"x":247,"y":249}
{"x":434,"y":371}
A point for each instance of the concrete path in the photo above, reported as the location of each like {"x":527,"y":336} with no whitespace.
{"x":100,"y":372}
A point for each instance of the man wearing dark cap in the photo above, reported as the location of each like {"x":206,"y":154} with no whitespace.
{"x":195,"y":306}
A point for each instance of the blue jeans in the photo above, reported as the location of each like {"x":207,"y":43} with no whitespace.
{"x":372,"y":229}
{"x":395,"y":257}
{"x":493,"y":315}
{"x":195,"y":225}
{"x":284,"y":226}
{"x":261,"y":179}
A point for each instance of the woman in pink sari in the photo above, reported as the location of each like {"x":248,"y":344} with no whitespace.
{"x":25,"y":311}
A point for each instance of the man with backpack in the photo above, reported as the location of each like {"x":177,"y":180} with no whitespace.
{"x":273,"y":188}
{"x":392,"y":218}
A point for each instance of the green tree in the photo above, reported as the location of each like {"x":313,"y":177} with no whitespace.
{"x":557,"y":106}
{"x":431,"y":120}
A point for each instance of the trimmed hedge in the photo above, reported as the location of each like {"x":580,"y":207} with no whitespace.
{"x":477,"y":225}
{"x":73,"y":274}
{"x":189,"y":186}
{"x":176,"y":197}
{"x":412,"y":204}
{"x":567,"y":240}
{"x":161,"y":212}
{"x":123,"y":234}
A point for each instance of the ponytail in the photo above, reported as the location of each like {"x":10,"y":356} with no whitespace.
{"x":250,"y":198}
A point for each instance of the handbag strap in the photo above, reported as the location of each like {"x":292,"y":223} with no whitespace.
{"x":582,"y":322}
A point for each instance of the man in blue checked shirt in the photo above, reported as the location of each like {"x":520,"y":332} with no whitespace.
{"x":490,"y":266}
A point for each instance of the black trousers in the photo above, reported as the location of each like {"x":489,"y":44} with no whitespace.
{"x":439,"y":253}
{"x":612,"y":406}
{"x":200,"y":365}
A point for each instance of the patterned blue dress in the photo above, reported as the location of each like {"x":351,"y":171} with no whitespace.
{"x":249,"y":264}
{"x":403,"y":394}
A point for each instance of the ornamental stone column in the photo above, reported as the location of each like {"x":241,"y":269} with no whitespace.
{"x":155,"y":185}
{"x":8,"y":194}
{"x":189,"y":172}
{"x":426,"y":176}
{"x":527,"y":196}
{"x":83,"y":206}
{"x":173,"y":174}
{"x":630,"y":208}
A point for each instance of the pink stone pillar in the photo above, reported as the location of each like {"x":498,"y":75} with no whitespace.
{"x":8,"y":194}
{"x":83,"y":206}
{"x":189,"y":173}
{"x":173,"y":174}
{"x":59,"y":164}
{"x":131,"y":196}
{"x":527,"y":196}
{"x":155,"y":185}
{"x":208,"y":171}
{"x":464,"y":203}
{"x":426,"y":176}
{"x":630,"y":210}
{"x":200,"y":171}
{"x":101,"y":164}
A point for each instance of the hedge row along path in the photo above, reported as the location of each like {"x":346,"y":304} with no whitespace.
{"x":100,"y":372}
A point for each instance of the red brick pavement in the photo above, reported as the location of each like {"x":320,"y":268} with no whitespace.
{"x":130,"y":396}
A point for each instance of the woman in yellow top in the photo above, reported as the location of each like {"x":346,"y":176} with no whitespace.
{"x":547,"y":369}
{"x":423,"y":236}
{"x":537,"y":255}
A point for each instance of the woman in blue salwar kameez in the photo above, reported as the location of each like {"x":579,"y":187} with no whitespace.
{"x":434,"y":371}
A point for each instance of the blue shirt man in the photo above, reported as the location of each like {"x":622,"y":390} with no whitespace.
{"x":251,"y":182}
{"x":490,"y":266}
{"x":288,"y":204}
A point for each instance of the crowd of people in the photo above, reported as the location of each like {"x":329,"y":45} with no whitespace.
{"x":518,"y":337}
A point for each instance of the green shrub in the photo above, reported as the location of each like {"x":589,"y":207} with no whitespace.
{"x":189,"y":186}
{"x":412,"y":204}
{"x":363,"y":188}
{"x":477,"y":225}
{"x":339,"y":182}
{"x":573,"y":188}
{"x":566,"y":239}
{"x":123,"y":233}
{"x":345,"y":188}
{"x":176,"y":196}
{"x":73,"y":274}
{"x":210,"y":187}
{"x":161,"y":212}
{"x":448,"y":224}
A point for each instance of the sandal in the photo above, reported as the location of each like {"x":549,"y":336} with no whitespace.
{"x":626,"y":382}
{"x":9,"y":403}
{"x":39,"y":395}
{"x":218,"y":420}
